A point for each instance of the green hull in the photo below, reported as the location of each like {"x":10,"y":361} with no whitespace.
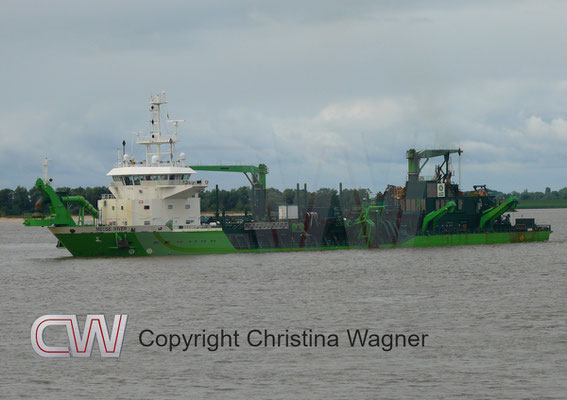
{"x":476,"y":239}
{"x":154,"y":243}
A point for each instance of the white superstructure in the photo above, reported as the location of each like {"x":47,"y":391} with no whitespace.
{"x":157,"y":190}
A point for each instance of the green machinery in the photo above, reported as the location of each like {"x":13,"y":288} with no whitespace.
{"x":415,"y":166}
{"x":442,"y":174}
{"x":490,"y":215}
{"x":256,"y":175}
{"x":58,"y":208}
{"x":434,"y":216}
{"x":366,"y":223}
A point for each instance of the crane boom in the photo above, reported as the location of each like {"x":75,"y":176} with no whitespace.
{"x":415,"y":156}
{"x":256,"y":175}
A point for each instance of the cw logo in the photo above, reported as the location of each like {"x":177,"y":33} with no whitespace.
{"x":80,"y":345}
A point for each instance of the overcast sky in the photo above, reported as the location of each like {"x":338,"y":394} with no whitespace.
{"x":320,"y":91}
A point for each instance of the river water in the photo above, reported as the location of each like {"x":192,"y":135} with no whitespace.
{"x":495,"y":317}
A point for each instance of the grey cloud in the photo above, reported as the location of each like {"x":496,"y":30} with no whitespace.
{"x":321,"y":91}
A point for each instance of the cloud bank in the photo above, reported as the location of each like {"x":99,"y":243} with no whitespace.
{"x":323,"y":92}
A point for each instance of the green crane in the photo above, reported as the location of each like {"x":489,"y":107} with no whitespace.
{"x":256,"y":175}
{"x":58,"y":212}
{"x":415,"y":166}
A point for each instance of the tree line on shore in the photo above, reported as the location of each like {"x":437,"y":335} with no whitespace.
{"x":19,"y":201}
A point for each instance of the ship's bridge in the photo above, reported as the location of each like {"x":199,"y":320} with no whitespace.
{"x":136,"y":175}
{"x":152,"y":195}
{"x":154,"y":191}
{"x":159,"y":182}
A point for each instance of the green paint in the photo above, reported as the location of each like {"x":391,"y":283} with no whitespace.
{"x":58,"y":213}
{"x":257,"y":175}
{"x":490,"y":215}
{"x":475,"y":239}
{"x":366,"y":224}
{"x":83,"y":205}
{"x":434,"y":216}
{"x":216,"y":242}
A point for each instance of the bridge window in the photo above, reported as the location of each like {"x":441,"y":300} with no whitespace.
{"x":136,"y":180}
{"x":146,"y":207}
{"x":146,"y":222}
{"x":169,"y":206}
{"x":187,"y":206}
{"x":127,"y":180}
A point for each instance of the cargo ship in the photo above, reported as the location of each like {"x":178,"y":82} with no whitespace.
{"x":154,"y":209}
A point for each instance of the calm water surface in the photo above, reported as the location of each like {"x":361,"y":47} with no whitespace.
{"x":495,"y":315}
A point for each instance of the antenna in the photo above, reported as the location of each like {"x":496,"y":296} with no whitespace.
{"x":45,"y":170}
{"x":157,"y":138}
{"x":175,"y":123}
{"x":155,"y":132}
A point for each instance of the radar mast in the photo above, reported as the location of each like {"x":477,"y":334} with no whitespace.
{"x":154,"y":141}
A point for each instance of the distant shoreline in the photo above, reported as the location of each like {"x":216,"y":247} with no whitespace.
{"x":12,"y":219}
{"x":542,"y":204}
{"x":532,"y":205}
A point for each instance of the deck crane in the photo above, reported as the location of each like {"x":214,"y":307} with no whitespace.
{"x":415,"y":166}
{"x":256,"y":175}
